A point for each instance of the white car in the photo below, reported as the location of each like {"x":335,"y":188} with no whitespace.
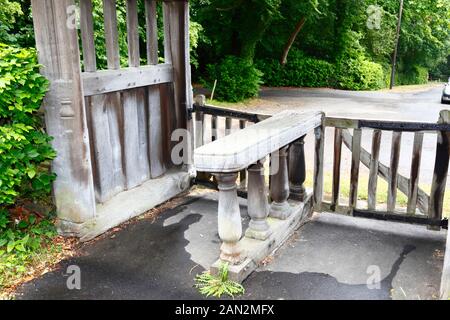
{"x":446,"y":94}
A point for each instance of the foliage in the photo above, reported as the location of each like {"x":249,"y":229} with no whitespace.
{"x":359,"y":74}
{"x":237,"y":79}
{"x":300,"y":71}
{"x":216,"y":286}
{"x":21,"y":242}
{"x":24,"y":148}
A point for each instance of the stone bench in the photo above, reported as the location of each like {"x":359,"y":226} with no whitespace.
{"x":279,"y":136}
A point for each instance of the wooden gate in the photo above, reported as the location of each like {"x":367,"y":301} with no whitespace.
{"x":112,"y":128}
{"x":421,"y":207}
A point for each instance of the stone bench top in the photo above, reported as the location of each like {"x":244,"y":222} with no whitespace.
{"x":245,"y":147}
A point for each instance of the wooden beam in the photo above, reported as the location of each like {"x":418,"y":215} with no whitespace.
{"x":106,"y":81}
{"x":65,"y":114}
{"x":87,"y":36}
{"x":393,"y":170}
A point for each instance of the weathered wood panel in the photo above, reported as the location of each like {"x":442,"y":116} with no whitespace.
{"x":65,"y":114}
{"x":87,"y":36}
{"x":354,"y":171}
{"x":393,"y":170}
{"x":373,"y":170}
{"x":415,"y":169}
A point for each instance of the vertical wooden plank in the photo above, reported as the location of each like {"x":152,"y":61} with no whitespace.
{"x":415,"y":169}
{"x":318,"y":165}
{"x":155,"y":120}
{"x":354,"y":171}
{"x":392,"y":183}
{"x":111,"y":34}
{"x":336,"y":167}
{"x":135,"y":121}
{"x":177,"y":53}
{"x":214,"y":128}
{"x":152,"y":31}
{"x":228,"y":122}
{"x":65,"y":115}
{"x":440,"y":170}
{"x":200,"y":101}
{"x":373,"y":170}
{"x":87,"y":36}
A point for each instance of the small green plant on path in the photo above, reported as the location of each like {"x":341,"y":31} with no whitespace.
{"x":216,"y":286}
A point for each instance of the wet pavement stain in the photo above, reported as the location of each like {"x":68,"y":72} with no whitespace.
{"x":313,"y":285}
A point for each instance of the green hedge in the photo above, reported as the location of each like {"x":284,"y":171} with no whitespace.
{"x":299,"y":71}
{"x":359,"y":74}
{"x":237,"y":79}
{"x":25,"y":150}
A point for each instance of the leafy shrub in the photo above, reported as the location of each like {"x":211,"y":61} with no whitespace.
{"x":216,"y":286}
{"x":237,"y":79}
{"x":299,"y":71}
{"x":358,"y":73}
{"x":415,"y":75}
{"x":24,"y":147}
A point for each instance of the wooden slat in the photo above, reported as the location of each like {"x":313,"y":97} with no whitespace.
{"x":228,"y":122}
{"x":440,"y":169}
{"x":132,"y":34}
{"x":200,"y":101}
{"x":393,"y":181}
{"x":155,"y":123}
{"x":415,"y":169}
{"x":318,"y":166}
{"x":111,"y":34}
{"x":152,"y":31}
{"x":384,"y":172}
{"x":336,"y":167}
{"x":87,"y":36}
{"x":214,"y":128}
{"x":106,"y":81}
{"x":354,"y":172}
{"x":373,"y":170}
{"x":341,"y":123}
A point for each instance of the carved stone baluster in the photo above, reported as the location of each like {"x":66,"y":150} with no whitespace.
{"x":258,"y":207}
{"x":279,"y":185}
{"x":297,"y":169}
{"x":229,"y":219}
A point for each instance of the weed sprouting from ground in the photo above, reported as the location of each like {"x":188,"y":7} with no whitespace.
{"x":216,"y":286}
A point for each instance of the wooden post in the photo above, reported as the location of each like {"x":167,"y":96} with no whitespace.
{"x":297,"y":171}
{"x":177,"y":53}
{"x":373,"y":170}
{"x":415,"y":169}
{"x":393,"y":179}
{"x":279,"y":186}
{"x":336,"y":167}
{"x":258,"y":207}
{"x":354,"y":175}
{"x":440,"y":171}
{"x":200,"y":101}
{"x":65,"y":114}
{"x":229,"y":219}
{"x":319,"y":133}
